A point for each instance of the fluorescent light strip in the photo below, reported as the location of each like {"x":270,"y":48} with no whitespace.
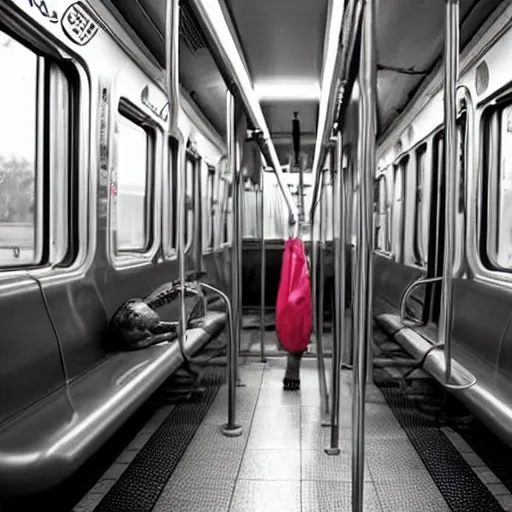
{"x":280,"y":90}
{"x":335,"y":23}
{"x":211,"y":10}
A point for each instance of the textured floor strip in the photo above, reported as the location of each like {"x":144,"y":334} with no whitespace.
{"x":459,"y":485}
{"x":496,"y":454}
{"x":140,"y":485}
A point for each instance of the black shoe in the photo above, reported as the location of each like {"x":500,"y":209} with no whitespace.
{"x":291,"y":384}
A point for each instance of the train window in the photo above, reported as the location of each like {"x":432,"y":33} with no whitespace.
{"x":226,"y":234}
{"x":208,"y":213}
{"x":420,"y":236}
{"x":35,"y":129}
{"x":20,"y":157}
{"x":173,"y":197}
{"x":397,"y":213}
{"x":499,"y":215}
{"x":460,"y":196}
{"x":192,"y":164}
{"x":134,"y":174}
{"x":381,"y":224}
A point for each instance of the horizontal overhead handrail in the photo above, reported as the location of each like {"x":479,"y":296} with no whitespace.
{"x":225,"y":46}
{"x":334,"y":77}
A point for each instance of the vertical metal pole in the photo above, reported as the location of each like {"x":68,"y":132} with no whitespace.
{"x":451,"y":75}
{"x":173,"y":94}
{"x":231,"y":428}
{"x":324,"y":396}
{"x":301,"y":191}
{"x":339,"y":293}
{"x":263,"y":357}
{"x":367,"y":160}
{"x":314,"y":278}
{"x":239,"y":234}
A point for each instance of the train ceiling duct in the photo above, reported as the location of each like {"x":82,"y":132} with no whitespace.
{"x":212,"y":18}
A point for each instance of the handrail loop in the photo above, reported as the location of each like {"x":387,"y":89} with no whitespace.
{"x":230,"y":429}
{"x":407,"y":292}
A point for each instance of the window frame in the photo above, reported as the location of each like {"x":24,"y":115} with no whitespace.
{"x":58,"y":210}
{"x":421,"y":205}
{"x":478,"y":185}
{"x":170,"y":206}
{"x":401,"y":165}
{"x":382,"y":176}
{"x":225,"y":220}
{"x":133,"y":257}
{"x":491,"y":125}
{"x":209,"y":209}
{"x":190,"y":234}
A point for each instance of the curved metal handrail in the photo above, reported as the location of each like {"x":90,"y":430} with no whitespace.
{"x":409,"y":290}
{"x":231,"y":429}
{"x":453,"y":387}
{"x":438,"y":345}
{"x":320,"y":357}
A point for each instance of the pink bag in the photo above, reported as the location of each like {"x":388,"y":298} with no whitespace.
{"x":294,"y":311}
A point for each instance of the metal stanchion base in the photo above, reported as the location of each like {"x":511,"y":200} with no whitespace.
{"x":232,"y":430}
{"x":239,"y":383}
{"x":263,"y":360}
{"x":332,"y":451}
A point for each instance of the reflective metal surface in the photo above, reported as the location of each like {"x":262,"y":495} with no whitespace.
{"x":409,"y":290}
{"x":451,"y":75}
{"x":213,"y":21}
{"x":236,"y":228}
{"x":367,"y":163}
{"x":263,"y":357}
{"x":172,"y":64}
{"x":230,"y":429}
{"x":324,"y":395}
{"x":350,"y":24}
{"x":340,"y":331}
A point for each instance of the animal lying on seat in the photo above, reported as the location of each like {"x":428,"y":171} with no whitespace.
{"x":136,"y":324}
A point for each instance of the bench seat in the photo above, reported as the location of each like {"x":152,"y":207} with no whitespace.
{"x":46,"y":443}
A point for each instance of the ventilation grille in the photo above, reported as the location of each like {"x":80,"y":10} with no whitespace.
{"x":190,"y":30}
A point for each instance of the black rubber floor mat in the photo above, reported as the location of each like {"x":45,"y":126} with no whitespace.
{"x":139,"y":487}
{"x":459,"y":485}
{"x":496,"y":454}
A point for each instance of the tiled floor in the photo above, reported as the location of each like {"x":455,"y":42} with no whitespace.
{"x":279,"y":464}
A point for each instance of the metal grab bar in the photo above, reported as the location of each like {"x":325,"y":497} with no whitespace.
{"x":224,"y":45}
{"x":339,"y":291}
{"x":236,"y":248}
{"x":367,"y":161}
{"x":263,"y":357}
{"x":351,"y":20}
{"x":453,"y":387}
{"x":439,"y":345}
{"x":172,"y":23}
{"x":320,"y":357}
{"x":451,"y":75}
{"x":408,"y":291}
{"x":230,"y":429}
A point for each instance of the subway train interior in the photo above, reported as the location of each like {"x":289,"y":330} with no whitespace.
{"x":160,"y":160}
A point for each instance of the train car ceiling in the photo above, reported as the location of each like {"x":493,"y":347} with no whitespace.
{"x":281,"y":53}
{"x":199,"y":74}
{"x":410,"y":42}
{"x":282,"y":42}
